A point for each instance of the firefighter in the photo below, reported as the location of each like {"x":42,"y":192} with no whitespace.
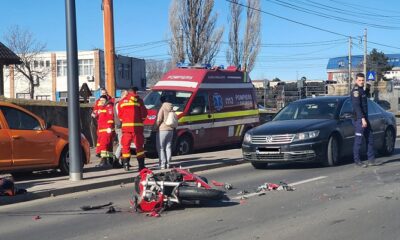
{"x":132,"y":112}
{"x":105,"y":130}
{"x":97,"y":104}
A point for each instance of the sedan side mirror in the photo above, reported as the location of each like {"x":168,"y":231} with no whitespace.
{"x":346,"y":115}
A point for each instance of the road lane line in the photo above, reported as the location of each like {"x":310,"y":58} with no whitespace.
{"x":290,"y":184}
{"x":307,"y":180}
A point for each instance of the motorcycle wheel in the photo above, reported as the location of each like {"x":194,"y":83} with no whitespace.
{"x":195,"y":193}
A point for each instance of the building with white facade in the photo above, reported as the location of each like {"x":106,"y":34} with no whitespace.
{"x":129,"y":72}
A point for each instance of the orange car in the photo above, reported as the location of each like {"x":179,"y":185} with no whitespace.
{"x":28,"y":143}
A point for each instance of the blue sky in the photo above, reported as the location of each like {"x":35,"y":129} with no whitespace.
{"x":289,"y":51}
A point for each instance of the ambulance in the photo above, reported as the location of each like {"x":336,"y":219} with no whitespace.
{"x":215,"y":107}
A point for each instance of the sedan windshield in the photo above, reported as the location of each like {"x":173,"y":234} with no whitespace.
{"x":178,"y":99}
{"x":307,"y":110}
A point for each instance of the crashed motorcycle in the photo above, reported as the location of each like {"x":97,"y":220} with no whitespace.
{"x":155,"y":192}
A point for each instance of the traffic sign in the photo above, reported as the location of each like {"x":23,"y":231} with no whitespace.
{"x":371,"y":76}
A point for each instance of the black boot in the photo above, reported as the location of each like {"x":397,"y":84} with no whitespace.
{"x":125,"y":164}
{"x":140,"y":164}
{"x":115,"y":163}
{"x":103,"y":163}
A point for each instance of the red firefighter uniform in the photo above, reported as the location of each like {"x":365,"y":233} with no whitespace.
{"x":98,"y":104}
{"x":105,"y":130}
{"x":132,"y":112}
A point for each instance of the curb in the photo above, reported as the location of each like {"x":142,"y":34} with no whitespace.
{"x":86,"y":187}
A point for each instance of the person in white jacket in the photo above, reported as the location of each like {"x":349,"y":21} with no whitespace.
{"x":164,"y":134}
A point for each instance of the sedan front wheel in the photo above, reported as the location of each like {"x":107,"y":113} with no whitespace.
{"x":332,"y":152}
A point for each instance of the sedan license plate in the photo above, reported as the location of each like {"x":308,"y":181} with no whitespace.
{"x":268,"y":151}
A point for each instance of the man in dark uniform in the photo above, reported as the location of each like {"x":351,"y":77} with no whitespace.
{"x":361,"y":123}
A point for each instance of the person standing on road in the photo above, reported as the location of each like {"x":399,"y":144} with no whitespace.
{"x":164,"y":134}
{"x":118,"y":131}
{"x":105,"y":130}
{"x":132,"y":113}
{"x":361,"y":124}
{"x":97,"y":104}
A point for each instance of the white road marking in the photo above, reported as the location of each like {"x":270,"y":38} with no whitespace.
{"x":290,"y":184}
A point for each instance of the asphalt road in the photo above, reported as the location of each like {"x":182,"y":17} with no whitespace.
{"x":342,"y":202}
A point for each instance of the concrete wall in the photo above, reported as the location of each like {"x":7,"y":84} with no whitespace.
{"x":58,"y":115}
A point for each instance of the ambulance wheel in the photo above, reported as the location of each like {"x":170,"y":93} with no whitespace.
{"x":195,"y":193}
{"x":184,"y":145}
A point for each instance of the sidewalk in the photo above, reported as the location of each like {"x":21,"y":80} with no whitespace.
{"x":45,"y":184}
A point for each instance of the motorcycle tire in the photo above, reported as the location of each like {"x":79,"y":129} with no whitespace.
{"x":195,"y":193}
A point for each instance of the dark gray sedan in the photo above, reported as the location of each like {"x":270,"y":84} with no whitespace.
{"x":316,"y":129}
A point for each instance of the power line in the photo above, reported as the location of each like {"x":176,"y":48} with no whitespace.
{"x":287,"y":19}
{"x":329,"y":16}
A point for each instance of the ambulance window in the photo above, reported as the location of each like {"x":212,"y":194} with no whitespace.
{"x":199,"y":104}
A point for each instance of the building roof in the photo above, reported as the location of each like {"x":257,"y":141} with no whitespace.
{"x":7,"y":56}
{"x":339,"y":63}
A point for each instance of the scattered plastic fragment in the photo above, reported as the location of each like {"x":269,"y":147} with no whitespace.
{"x":111,"y":209}
{"x":217,"y":184}
{"x":153,"y":214}
{"x":228,"y":186}
{"x":36,"y":217}
{"x":242,"y":192}
{"x":88,"y":208}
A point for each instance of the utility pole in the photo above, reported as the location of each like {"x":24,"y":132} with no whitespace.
{"x":109,"y":48}
{"x":349,"y":65}
{"x":75,"y":157}
{"x":365,"y":56}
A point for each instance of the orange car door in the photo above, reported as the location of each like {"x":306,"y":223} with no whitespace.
{"x":30,"y":143}
{"x":5,"y":147}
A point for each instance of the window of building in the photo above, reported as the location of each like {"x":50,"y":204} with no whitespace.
{"x":23,"y":95}
{"x":41,"y":63}
{"x":47,"y":63}
{"x":35,"y":64}
{"x":121,"y":70}
{"x":43,"y":97}
{"x":86,"y":67}
{"x":61,"y":68}
{"x":341,"y":64}
{"x":127,"y":71}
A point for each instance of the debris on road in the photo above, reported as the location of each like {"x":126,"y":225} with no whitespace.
{"x":227,"y":186}
{"x":88,"y":208}
{"x":243,"y":192}
{"x":7,"y":187}
{"x":36,"y":217}
{"x":273,"y":186}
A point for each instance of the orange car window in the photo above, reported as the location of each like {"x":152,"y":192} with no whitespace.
{"x":17,"y":119}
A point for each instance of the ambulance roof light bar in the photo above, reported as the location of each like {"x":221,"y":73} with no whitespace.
{"x":198,"y":65}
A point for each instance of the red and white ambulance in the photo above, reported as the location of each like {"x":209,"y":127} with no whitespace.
{"x":215,"y":107}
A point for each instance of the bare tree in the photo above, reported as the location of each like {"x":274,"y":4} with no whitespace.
{"x":177,"y":46}
{"x":235,"y":50}
{"x":155,"y":69}
{"x":23,"y":43}
{"x":247,"y":49}
{"x":201,"y":39}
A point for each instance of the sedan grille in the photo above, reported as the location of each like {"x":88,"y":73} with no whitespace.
{"x":272,"y":139}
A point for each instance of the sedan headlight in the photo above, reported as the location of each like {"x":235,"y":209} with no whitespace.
{"x":247,"y":138}
{"x":306,"y":135}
